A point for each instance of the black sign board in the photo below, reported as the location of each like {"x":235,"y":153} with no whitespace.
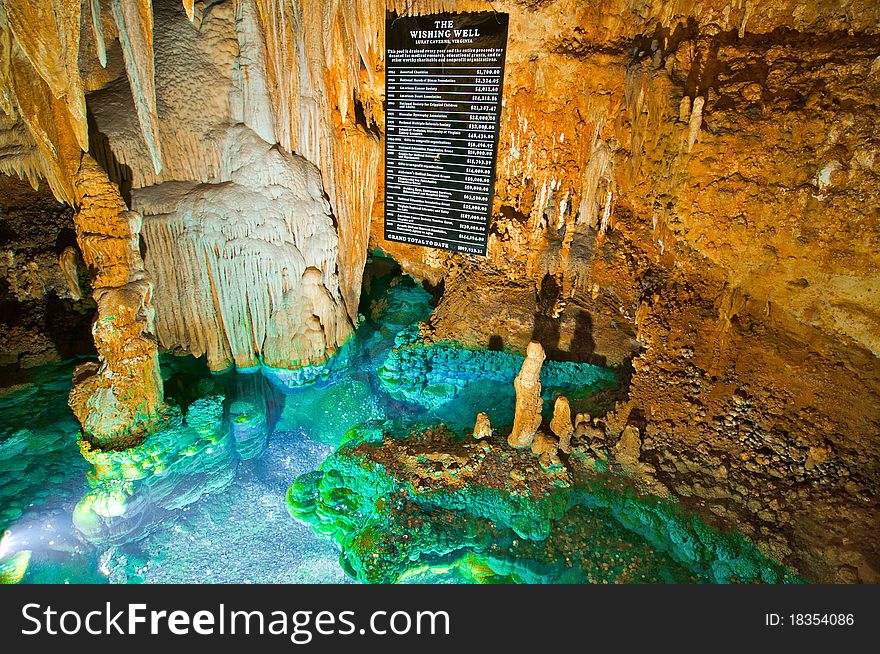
{"x":443,"y":79}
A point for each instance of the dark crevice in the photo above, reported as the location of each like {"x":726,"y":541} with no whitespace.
{"x":99,"y":148}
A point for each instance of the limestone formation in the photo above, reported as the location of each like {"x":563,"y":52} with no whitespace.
{"x":243,"y":276}
{"x":44,"y":292}
{"x":628,"y":448}
{"x":527,"y":417}
{"x":561,"y":423}
{"x":685,"y":192}
{"x":544,"y":444}
{"x":482,"y":427}
{"x":118,"y":398}
{"x":581,"y":424}
{"x":134,"y":20}
{"x":68,"y":262}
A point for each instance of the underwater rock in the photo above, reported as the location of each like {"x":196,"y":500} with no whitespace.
{"x":179,"y":461}
{"x":14,"y":567}
{"x":482,"y":426}
{"x":527,"y":417}
{"x":249,"y":428}
{"x":325,"y":413}
{"x":561,"y":423}
{"x":404,"y":502}
{"x":36,"y":460}
{"x":435,"y":374}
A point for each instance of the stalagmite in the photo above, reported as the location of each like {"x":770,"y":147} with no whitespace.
{"x":527,"y":417}
{"x":684,"y":109}
{"x":482,"y":426}
{"x":117,"y":399}
{"x":561,"y":423}
{"x":628,"y":448}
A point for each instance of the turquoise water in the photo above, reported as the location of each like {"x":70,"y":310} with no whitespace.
{"x":203,"y":499}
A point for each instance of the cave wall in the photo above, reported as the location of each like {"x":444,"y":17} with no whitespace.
{"x":691,"y":190}
{"x":46,"y":309}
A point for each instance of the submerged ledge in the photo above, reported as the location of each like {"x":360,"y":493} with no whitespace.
{"x":411,"y":502}
{"x":431,"y":374}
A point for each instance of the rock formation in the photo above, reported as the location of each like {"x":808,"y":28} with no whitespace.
{"x":482,"y":426}
{"x":188,"y":97}
{"x":561,"y":423}
{"x":121,"y":395}
{"x":685,"y":191}
{"x":699,"y":205}
{"x":527,"y":418}
{"x":45,"y":298}
{"x":628,"y":448}
{"x":246,"y":276}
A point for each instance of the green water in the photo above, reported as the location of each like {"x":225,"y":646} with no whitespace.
{"x":251,"y":478}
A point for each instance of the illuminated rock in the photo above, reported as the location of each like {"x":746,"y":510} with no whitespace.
{"x":527,"y":418}
{"x":117,"y":399}
{"x":561,"y":423}
{"x":628,"y":448}
{"x":14,"y":567}
{"x":482,"y":427}
{"x":408,"y":503}
{"x":434,"y":374}
{"x":245,"y":276}
{"x":179,"y":461}
{"x":134,"y":21}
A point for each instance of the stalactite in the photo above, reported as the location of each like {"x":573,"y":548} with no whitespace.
{"x":48,"y":34}
{"x":134,"y":19}
{"x":98,"y":29}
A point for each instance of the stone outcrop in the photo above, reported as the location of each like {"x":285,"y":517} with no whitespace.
{"x":529,"y":403}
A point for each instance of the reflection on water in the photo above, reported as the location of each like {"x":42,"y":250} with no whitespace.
{"x":203,"y":498}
